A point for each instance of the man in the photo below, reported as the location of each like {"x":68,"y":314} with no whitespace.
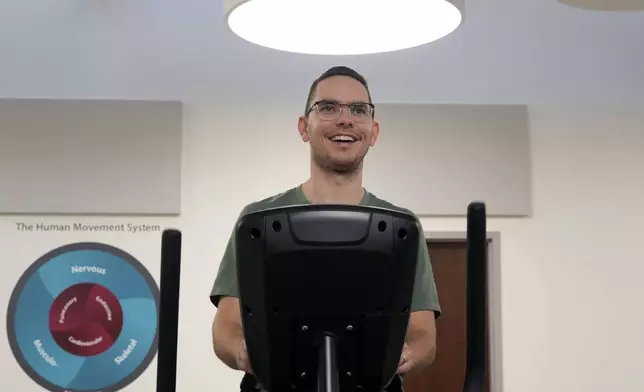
{"x":340,"y":127}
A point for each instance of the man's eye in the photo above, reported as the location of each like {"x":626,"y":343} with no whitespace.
{"x":359,"y":109}
{"x":327,"y":108}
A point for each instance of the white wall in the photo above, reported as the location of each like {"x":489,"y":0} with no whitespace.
{"x":570,"y":274}
{"x":571,"y":284}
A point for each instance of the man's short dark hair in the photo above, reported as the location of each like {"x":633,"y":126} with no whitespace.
{"x":336,"y":71}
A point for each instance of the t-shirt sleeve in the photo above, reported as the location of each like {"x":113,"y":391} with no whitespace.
{"x":225,"y":284}
{"x":425,"y":295}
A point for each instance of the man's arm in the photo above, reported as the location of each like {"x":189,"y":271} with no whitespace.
{"x":419,"y":350}
{"x":420,"y":343}
{"x":227,"y":333}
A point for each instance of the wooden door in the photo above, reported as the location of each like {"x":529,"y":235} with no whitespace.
{"x":447,"y":373}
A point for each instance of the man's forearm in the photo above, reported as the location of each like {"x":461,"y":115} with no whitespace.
{"x":423,"y":344}
{"x":421,"y":340}
{"x":227,"y":339}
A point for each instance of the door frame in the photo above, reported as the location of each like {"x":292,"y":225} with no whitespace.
{"x":494,"y":296}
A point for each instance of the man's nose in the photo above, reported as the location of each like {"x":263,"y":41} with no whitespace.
{"x":345,"y":119}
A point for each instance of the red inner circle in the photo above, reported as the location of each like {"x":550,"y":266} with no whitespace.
{"x":86,"y":319}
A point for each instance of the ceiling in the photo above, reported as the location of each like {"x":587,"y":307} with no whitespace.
{"x":507,"y":51}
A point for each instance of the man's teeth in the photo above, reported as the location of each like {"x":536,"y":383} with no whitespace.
{"x":343,"y":138}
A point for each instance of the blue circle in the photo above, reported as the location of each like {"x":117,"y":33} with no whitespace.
{"x":28,"y":319}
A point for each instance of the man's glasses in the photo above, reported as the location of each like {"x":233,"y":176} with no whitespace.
{"x":330,"y":110}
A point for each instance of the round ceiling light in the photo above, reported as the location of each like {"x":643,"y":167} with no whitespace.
{"x":343,"y":27}
{"x":606,"y":5}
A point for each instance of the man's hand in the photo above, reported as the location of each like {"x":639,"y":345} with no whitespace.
{"x":406,"y":360}
{"x":242,"y":360}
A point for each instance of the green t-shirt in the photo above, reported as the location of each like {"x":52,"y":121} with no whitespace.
{"x":425,"y":296}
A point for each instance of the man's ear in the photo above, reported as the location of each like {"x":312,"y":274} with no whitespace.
{"x":375,"y":132}
{"x":302,"y":127}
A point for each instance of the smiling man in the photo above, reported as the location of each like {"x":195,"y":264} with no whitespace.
{"x":340,"y":126}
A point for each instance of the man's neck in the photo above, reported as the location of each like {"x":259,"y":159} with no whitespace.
{"x":333,"y":188}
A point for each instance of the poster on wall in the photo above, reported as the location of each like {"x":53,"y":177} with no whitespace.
{"x":83,"y":317}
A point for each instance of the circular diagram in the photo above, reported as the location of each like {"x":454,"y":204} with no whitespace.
{"x":83,"y":317}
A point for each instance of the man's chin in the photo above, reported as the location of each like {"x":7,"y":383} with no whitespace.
{"x":342,"y":166}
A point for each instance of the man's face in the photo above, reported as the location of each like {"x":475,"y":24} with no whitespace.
{"x":340,"y":136}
